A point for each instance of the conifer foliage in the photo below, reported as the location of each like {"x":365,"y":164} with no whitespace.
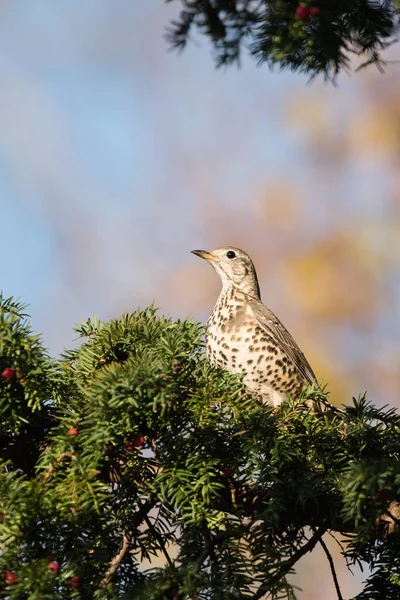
{"x":310,"y":36}
{"x":132,"y":469}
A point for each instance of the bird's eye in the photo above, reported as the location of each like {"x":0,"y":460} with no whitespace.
{"x":230,"y":254}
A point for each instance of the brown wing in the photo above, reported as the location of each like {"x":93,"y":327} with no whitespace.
{"x":274,"y":328}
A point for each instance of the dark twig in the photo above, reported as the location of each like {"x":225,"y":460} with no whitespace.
{"x":288,"y":564}
{"x":143,"y":511}
{"x":172,"y":591}
{"x":159,"y":539}
{"x":213,"y":556}
{"x":210,"y":545}
{"x":391,"y":515}
{"x":343,"y":551}
{"x":332,"y":566}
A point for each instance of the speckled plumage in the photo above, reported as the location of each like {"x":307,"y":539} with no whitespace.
{"x":244,"y":336}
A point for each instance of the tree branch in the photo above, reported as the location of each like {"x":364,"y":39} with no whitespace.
{"x":59,"y":458}
{"x":332,"y":566}
{"x":115,"y":562}
{"x":140,"y":515}
{"x":288,"y":564}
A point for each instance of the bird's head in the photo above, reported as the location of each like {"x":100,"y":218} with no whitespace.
{"x":234,"y":267}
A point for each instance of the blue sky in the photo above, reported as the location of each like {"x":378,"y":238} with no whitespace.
{"x":85,"y":113}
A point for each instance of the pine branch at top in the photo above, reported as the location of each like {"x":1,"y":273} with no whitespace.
{"x":311,"y":36}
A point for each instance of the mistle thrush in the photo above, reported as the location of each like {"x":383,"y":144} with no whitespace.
{"x":244,"y":336}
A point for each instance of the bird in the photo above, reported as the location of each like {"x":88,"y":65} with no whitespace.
{"x":245,"y":336}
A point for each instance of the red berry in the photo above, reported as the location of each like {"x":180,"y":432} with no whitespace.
{"x":10,"y":577}
{"x":139,"y":441}
{"x":1,"y":517}
{"x":228,"y":472}
{"x":73,"y":431}
{"x":302,"y":13}
{"x":54,"y":566}
{"x":76,"y":582}
{"x":8,"y":374}
{"x":314,"y":11}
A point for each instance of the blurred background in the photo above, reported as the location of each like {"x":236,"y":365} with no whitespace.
{"x":118,"y":157}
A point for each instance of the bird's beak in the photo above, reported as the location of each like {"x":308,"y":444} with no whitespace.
{"x":204,"y":254}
